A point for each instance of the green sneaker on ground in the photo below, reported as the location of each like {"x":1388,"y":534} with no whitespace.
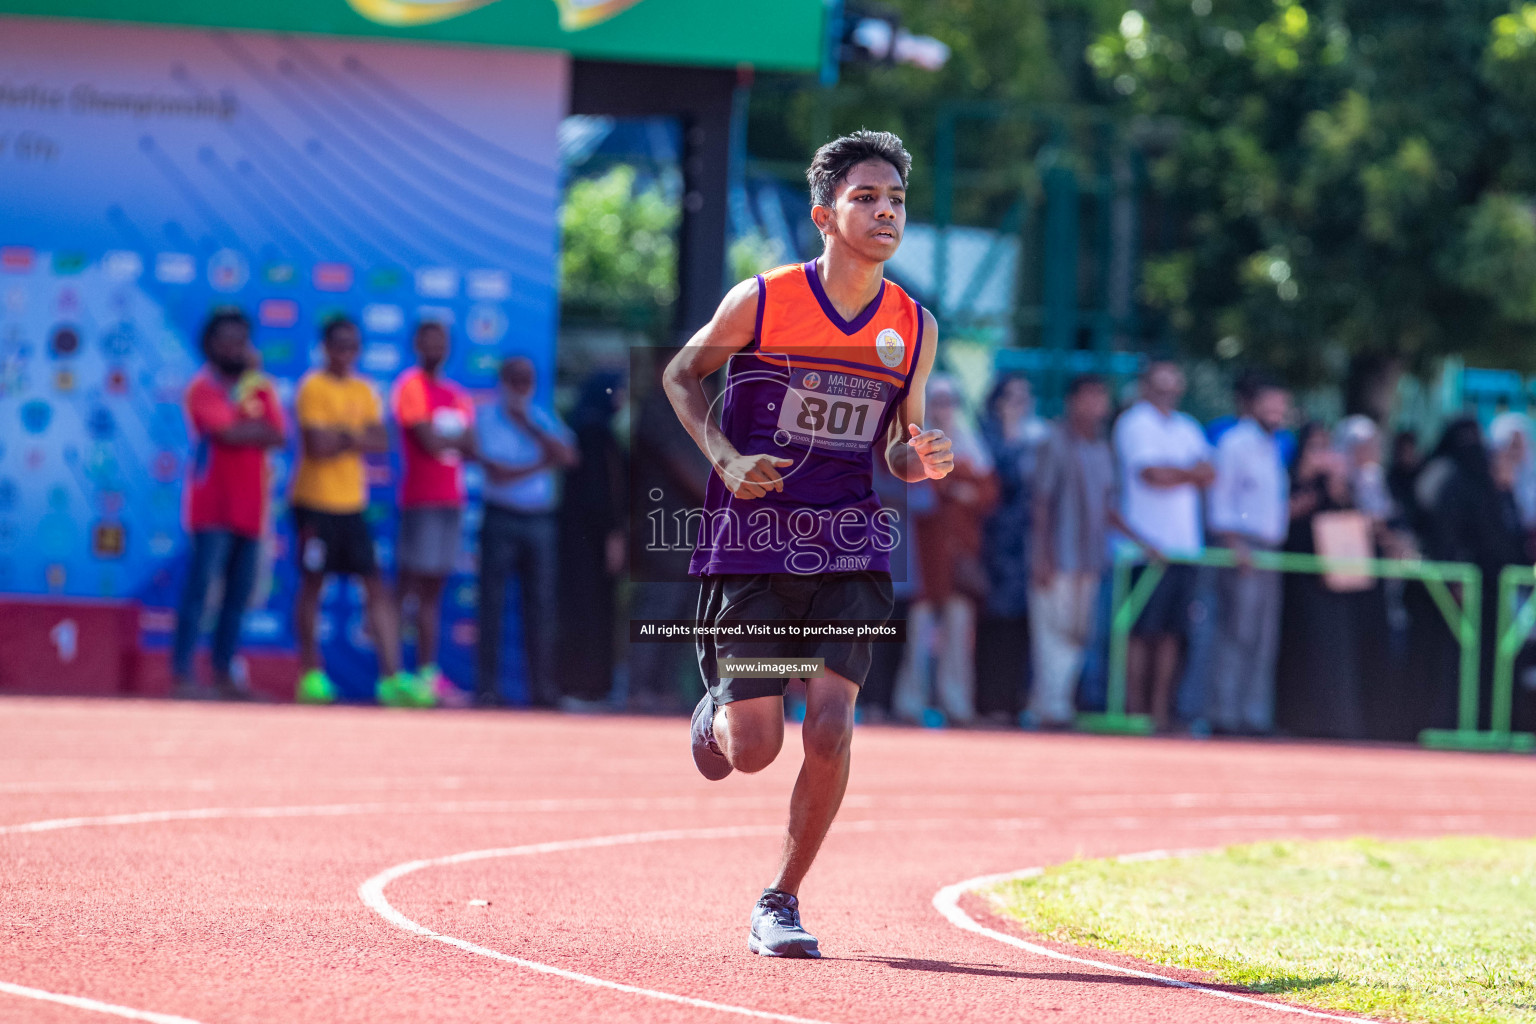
{"x":315,"y":687}
{"x":423,"y":686}
{"x":397,"y":691}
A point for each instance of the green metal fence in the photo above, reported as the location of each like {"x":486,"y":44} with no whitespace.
{"x":1516,"y":619}
{"x":1463,"y":613}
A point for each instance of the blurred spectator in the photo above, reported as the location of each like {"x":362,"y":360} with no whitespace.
{"x":1469,"y":501}
{"x":1250,"y":512}
{"x":523,"y":445}
{"x":1074,"y":510}
{"x":235,"y":417}
{"x":942,"y":622}
{"x":592,"y":524}
{"x":667,"y":481}
{"x":913,"y":499}
{"x":1327,"y":635}
{"x":1013,"y":434}
{"x":1471,"y":515}
{"x":1358,"y":442}
{"x":1509,"y":436}
{"x":1166,"y":464}
{"x":1401,"y":473}
{"x":340,"y":419}
{"x":1192,"y":689}
{"x":435,"y":417}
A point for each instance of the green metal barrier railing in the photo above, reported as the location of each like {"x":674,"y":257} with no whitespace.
{"x":1465,"y":620}
{"x":1516,"y":619}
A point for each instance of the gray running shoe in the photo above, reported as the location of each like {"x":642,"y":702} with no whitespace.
{"x":776,"y":928}
{"x":707,"y":755}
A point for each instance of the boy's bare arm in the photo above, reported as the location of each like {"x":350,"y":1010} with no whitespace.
{"x":748,"y":475}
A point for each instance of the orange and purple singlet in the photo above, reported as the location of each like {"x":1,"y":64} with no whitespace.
{"x":820,"y":390}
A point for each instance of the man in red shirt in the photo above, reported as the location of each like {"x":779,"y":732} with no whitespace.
{"x":235,"y":418}
{"x":435,"y":417}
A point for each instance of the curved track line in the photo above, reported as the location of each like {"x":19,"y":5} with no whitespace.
{"x":372,"y":891}
{"x":81,"y":1003}
{"x":947,"y":902}
{"x":372,"y":894}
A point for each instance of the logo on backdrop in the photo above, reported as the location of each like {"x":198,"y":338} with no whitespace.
{"x":575,"y":15}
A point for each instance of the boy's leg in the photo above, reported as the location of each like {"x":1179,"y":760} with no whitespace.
{"x":750,"y":732}
{"x":206,"y":549}
{"x":775,"y":928}
{"x":405,"y":593}
{"x":827,"y":735}
{"x":383,"y":620}
{"x":496,"y":558}
{"x":429,"y":613}
{"x":306,"y":615}
{"x":239,"y":581}
{"x":539,"y":570}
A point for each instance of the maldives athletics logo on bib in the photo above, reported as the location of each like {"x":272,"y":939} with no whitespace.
{"x":890,"y":348}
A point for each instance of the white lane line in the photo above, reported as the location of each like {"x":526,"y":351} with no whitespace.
{"x":947,"y":902}
{"x":556,"y":805}
{"x":81,"y":1003}
{"x":428,"y":807}
{"x":372,"y":893}
{"x":491,"y":806}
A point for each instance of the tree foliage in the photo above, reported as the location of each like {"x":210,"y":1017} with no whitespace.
{"x":1348,"y":176}
{"x":618,"y":256}
{"x":1011,"y":52}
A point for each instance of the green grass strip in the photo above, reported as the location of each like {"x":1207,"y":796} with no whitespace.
{"x":1439,"y":930}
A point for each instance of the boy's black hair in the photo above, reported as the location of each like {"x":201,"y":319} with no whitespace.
{"x":1085,"y":380}
{"x":334,"y":324}
{"x":219,"y":318}
{"x":830,"y":167}
{"x":1251,"y":382}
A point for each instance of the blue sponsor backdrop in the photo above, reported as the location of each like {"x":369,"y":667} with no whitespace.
{"x":150,"y":175}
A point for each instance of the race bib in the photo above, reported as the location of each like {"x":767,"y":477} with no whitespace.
{"x":832,"y":410}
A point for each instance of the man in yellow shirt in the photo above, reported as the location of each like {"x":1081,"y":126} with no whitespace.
{"x":340,"y":420}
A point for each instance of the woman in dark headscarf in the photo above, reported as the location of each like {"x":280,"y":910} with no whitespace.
{"x":592,"y":540}
{"x":1470,"y":515}
{"x":1321,"y":671}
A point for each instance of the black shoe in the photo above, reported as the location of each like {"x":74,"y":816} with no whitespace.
{"x":707,"y":755}
{"x":775,"y":928}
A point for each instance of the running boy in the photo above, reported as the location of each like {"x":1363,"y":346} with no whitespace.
{"x":827,"y":365}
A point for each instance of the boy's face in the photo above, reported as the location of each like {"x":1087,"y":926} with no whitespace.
{"x":517,"y":378}
{"x":342,"y":346}
{"x":1090,"y":404}
{"x":1272,"y":408}
{"x":431,"y":347}
{"x":869,"y":212}
{"x":230,"y":347}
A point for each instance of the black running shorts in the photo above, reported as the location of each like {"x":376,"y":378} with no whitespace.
{"x":792,"y":597}
{"x":331,"y":542}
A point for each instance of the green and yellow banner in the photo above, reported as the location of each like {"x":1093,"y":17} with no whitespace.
{"x":772,"y":34}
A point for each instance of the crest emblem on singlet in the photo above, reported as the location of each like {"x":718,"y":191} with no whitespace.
{"x":812,"y":380}
{"x":890,"y":348}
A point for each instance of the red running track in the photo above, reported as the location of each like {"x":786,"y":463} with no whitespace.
{"x":207,"y":863}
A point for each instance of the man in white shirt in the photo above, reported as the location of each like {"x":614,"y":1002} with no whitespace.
{"x":1165,"y":464}
{"x":524,"y":447}
{"x":1250,"y":510}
